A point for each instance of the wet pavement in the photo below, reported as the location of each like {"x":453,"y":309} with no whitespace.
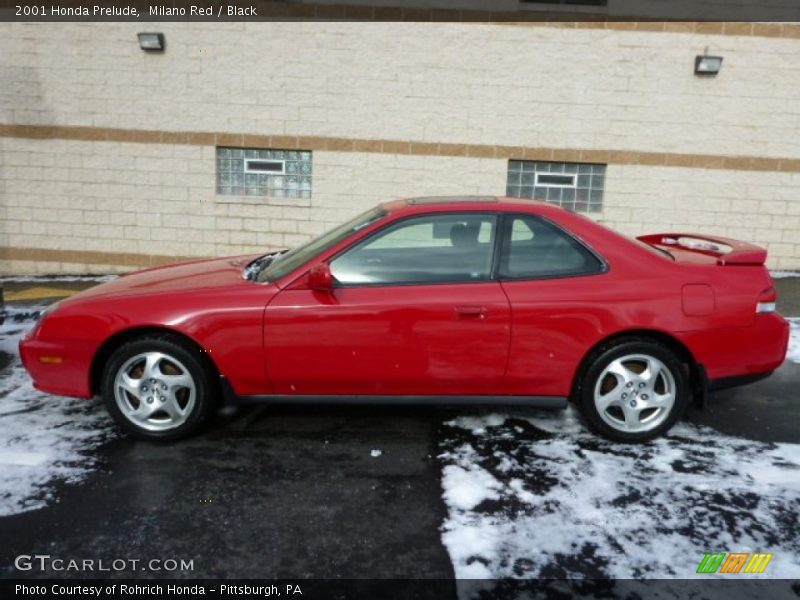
{"x":304,"y":492}
{"x":270,"y":493}
{"x":308,"y":492}
{"x":766,"y":411}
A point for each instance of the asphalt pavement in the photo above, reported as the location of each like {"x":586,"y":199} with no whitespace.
{"x":283,"y":492}
{"x":303,"y":492}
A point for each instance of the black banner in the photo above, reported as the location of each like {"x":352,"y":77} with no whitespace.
{"x":734,"y":588}
{"x":402,"y":10}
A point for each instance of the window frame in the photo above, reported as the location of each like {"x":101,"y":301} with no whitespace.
{"x":494,"y":244}
{"x":506,"y":225}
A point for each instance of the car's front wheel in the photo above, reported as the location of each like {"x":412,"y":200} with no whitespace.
{"x":633,"y":391}
{"x":157,"y":388}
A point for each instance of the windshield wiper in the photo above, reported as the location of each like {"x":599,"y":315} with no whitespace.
{"x":253,"y":268}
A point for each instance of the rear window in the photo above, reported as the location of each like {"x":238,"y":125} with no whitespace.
{"x":655,"y":250}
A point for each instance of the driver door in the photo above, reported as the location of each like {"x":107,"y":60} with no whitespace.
{"x":414,"y":311}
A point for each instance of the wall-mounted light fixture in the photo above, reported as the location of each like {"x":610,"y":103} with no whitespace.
{"x":707,"y":66}
{"x":152,"y":42}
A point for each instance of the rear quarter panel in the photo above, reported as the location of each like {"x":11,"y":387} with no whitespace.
{"x":556,"y":322}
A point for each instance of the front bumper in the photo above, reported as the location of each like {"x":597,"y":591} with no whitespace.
{"x":58,"y":366}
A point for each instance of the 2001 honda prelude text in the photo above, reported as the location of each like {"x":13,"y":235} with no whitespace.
{"x":452,"y":300}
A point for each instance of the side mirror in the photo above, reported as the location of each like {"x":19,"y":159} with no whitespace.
{"x":320,"y":278}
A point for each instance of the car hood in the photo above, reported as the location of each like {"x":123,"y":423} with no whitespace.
{"x":183,"y":277}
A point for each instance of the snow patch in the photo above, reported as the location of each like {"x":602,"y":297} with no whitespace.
{"x":25,"y":459}
{"x":375,"y":453}
{"x":55,"y":278}
{"x":793,"y":354}
{"x":43,"y":439}
{"x":535,"y":495}
{"x":784,"y":274}
{"x":468,"y":487}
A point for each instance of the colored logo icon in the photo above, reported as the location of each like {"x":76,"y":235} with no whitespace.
{"x":734,"y":562}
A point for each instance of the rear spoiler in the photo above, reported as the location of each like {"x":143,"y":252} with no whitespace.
{"x":725,"y":250}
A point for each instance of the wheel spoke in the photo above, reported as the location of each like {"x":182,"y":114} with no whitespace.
{"x":129,"y":385}
{"x":620,"y":371}
{"x":631,"y":416}
{"x":612,"y":398}
{"x":659,"y":400}
{"x":184,"y":380}
{"x":151,"y":370}
{"x":172,"y":408}
{"x":651,"y":372}
{"x":145,"y":411}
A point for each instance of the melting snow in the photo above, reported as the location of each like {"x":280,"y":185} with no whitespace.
{"x":55,"y":278}
{"x":535,"y":495}
{"x":794,"y":341}
{"x":43,"y":439}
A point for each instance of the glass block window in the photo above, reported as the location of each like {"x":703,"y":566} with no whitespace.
{"x":264,"y":172}
{"x":574,"y":186}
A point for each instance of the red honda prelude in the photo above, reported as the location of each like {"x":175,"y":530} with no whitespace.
{"x":450,"y":300}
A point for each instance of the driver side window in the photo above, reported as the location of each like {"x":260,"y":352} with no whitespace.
{"x":442,"y":248}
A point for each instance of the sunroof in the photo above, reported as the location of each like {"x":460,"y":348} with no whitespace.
{"x":438,"y":199}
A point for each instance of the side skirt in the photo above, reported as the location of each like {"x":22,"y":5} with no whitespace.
{"x":552,"y":402}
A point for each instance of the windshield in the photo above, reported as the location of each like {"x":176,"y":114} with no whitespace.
{"x":286,"y":263}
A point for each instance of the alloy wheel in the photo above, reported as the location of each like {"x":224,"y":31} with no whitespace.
{"x":155,"y":391}
{"x":635,"y":393}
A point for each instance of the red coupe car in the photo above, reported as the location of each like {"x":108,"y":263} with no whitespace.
{"x":451,"y":300}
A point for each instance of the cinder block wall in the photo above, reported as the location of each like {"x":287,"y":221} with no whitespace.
{"x":107,"y":154}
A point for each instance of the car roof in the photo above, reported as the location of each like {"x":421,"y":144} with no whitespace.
{"x":470,"y":203}
{"x":443,"y":199}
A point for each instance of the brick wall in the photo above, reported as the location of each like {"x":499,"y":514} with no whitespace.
{"x":481,"y":84}
{"x":757,"y":207}
{"x":459,"y":83}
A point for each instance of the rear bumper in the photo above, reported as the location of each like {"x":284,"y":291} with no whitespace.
{"x":58,"y":366}
{"x":736,"y":354}
{"x":703,"y":388}
{"x":736,"y":381}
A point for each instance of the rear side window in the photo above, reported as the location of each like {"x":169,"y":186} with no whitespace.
{"x":534,"y":248}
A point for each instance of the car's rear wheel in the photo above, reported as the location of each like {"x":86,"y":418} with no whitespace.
{"x":633,"y":391}
{"x":157,"y":388}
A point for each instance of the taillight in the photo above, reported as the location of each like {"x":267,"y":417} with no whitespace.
{"x":766,"y":301}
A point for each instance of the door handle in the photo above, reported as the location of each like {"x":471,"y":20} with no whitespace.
{"x":472,"y":312}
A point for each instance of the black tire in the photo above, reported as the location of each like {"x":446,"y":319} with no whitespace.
{"x":195,"y":363}
{"x":662,"y":419}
